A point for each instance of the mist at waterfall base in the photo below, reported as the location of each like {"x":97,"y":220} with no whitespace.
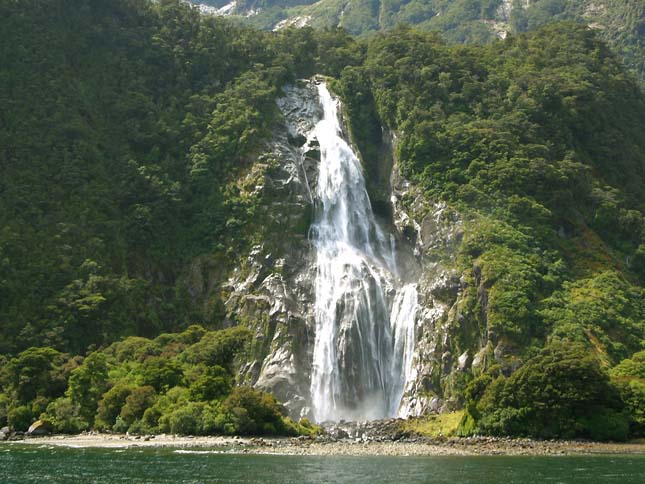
{"x":365,"y":314}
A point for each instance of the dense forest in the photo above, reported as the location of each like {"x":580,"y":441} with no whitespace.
{"x":127,"y":126}
{"x":620,"y":23}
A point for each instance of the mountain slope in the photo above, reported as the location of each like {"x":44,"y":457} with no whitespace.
{"x":621,"y":23}
{"x":156,"y":175}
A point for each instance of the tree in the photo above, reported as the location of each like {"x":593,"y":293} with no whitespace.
{"x":213,"y":384}
{"x":87,"y":384}
{"x":161,"y":373}
{"x":629,"y":377}
{"x":253,"y":412}
{"x":36,"y":372}
{"x":136,"y":403}
{"x":560,"y":393}
{"x":109,"y":407}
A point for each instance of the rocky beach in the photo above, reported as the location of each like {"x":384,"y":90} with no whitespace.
{"x":328,"y":445}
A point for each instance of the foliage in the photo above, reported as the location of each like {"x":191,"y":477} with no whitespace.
{"x":161,"y":373}
{"x":125,"y":127}
{"x":629,"y":377}
{"x":136,"y":403}
{"x":4,"y":404}
{"x":213,"y":383}
{"x":86,"y":385}
{"x":618,"y":22}
{"x":140,"y":386}
{"x":252,"y":412}
{"x":218,"y":347}
{"x":110,"y":405}
{"x":441,"y":425}
{"x":605,"y":310}
{"x":562,"y":392}
{"x":20,"y":417}
{"x":520,"y":137}
{"x":36,"y":373}
{"x":65,"y":416}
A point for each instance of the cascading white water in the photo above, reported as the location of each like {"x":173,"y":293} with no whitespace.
{"x":364,"y":325}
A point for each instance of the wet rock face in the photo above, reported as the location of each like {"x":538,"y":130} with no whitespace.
{"x":298,"y":153}
{"x":452,"y":335}
{"x":272,"y":292}
{"x":434,"y":232}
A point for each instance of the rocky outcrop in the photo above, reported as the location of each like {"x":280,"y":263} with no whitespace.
{"x":6,"y":433}
{"x":40,"y":428}
{"x":271,"y":292}
{"x":368,"y":431}
{"x":434,"y":232}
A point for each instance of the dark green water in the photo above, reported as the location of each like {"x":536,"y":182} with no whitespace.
{"x":29,"y":464}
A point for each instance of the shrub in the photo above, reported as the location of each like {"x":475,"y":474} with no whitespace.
{"x":151,"y":419}
{"x":212,"y":420}
{"x":65,"y":416}
{"x":109,"y":407}
{"x":219,"y":347}
{"x":560,"y":393}
{"x":161,"y":373}
{"x":629,"y":377}
{"x":137,"y":402}
{"x":214,"y":384}
{"x":87,"y":383}
{"x":134,"y":348}
{"x":20,"y":418}
{"x":36,"y":372}
{"x":185,"y":420}
{"x":4,"y":403}
{"x":633,"y":367}
{"x":249,"y":411}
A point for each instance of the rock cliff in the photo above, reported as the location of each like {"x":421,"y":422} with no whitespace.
{"x":272,"y":290}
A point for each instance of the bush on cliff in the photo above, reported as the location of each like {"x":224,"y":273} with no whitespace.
{"x":560,"y":393}
{"x":629,"y":377}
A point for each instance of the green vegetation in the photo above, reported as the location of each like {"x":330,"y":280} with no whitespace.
{"x":629,"y":377}
{"x":521,"y":138}
{"x":171,"y":384}
{"x":560,"y":393}
{"x":618,"y":22}
{"x":125,"y":130}
{"x":440,"y":425}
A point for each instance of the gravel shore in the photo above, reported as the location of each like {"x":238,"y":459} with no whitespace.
{"x":321,"y":446}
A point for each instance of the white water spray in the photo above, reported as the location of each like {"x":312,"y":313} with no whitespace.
{"x":365,"y":322}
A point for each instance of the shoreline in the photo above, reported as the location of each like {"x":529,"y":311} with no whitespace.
{"x":318,"y":447}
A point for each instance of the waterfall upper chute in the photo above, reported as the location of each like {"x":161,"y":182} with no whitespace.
{"x":365,"y":317}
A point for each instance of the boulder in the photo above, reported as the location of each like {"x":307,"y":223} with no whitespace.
{"x":39,"y":428}
{"x":5,"y":433}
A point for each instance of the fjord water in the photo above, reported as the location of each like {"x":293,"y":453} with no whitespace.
{"x":57,"y":465}
{"x":364,"y":315}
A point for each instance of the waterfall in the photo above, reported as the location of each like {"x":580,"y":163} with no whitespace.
{"x":365,"y":316}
